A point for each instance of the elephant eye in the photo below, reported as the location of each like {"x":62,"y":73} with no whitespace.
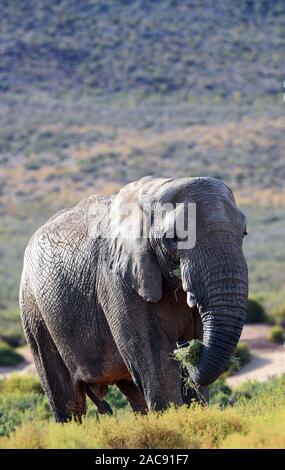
{"x":245,"y":232}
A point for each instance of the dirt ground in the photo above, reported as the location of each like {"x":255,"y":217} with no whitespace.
{"x":268,"y":359}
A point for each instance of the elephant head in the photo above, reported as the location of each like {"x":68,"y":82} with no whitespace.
{"x":147,"y":250}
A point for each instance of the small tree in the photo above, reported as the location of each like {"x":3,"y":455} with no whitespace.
{"x":255,"y":312}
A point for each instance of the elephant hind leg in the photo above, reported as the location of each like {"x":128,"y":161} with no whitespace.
{"x":102,"y":406}
{"x":66,"y":397}
{"x":133,"y":395}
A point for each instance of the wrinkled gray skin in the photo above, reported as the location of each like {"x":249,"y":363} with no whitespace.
{"x":98,"y":311}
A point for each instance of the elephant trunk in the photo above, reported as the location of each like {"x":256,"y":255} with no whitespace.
{"x":222,"y":307}
{"x":221,"y":331}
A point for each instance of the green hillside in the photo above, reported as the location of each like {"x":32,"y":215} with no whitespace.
{"x":95,"y":94}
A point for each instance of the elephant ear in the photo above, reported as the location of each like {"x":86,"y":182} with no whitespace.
{"x":131,"y":254}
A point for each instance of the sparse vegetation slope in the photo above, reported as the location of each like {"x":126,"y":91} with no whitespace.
{"x":95,"y":94}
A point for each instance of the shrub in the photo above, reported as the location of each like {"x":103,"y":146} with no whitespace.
{"x":21,"y":399}
{"x":242,"y":352}
{"x":25,"y":421}
{"x":32,"y":164}
{"x":13,"y":339}
{"x":11,"y":328}
{"x":17,"y":383}
{"x":255,"y":312}
{"x":181,"y":428}
{"x":17,"y":408}
{"x":271,"y":392}
{"x":115,"y":399}
{"x":9,"y":357}
{"x":280,"y":316}
{"x":261,"y":436}
{"x":220,"y":393}
{"x":277,"y":334}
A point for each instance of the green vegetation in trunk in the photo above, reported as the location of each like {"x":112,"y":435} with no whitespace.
{"x":188,"y":357}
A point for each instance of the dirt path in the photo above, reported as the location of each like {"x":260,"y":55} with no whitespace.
{"x":268,"y":359}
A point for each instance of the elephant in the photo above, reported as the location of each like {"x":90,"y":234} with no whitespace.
{"x":100,"y":307}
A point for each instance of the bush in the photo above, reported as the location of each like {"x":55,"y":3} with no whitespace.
{"x":260,"y":437}
{"x":17,"y":383}
{"x":9,"y":357}
{"x":242,"y":352}
{"x":115,"y":399}
{"x":255,"y":312}
{"x":277,"y":334}
{"x":13,"y":339}
{"x":249,"y":415}
{"x":280,"y":316}
{"x":181,"y":428}
{"x":16,"y":408}
{"x":11,"y":328}
{"x":220,"y":393}
{"x":21,"y":399}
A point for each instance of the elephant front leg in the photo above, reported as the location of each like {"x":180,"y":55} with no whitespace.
{"x":155,"y":374}
{"x":146,"y":351}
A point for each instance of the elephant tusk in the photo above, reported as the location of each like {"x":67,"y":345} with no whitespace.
{"x":191,"y":299}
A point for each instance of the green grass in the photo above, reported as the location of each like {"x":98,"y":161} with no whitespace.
{"x":252,"y":417}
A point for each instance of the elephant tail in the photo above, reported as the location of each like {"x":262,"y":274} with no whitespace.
{"x":102,"y":406}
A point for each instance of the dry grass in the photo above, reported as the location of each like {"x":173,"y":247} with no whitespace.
{"x":255,"y":420}
{"x":261,"y":198}
{"x":263,"y":434}
{"x":182,"y":428}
